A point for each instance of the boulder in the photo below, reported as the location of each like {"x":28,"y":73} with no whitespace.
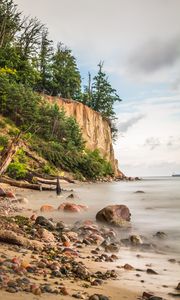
{"x":117,"y":215}
{"x":47,"y":208}
{"x":71,"y":207}
{"x":47,"y":236}
{"x":10,"y":237}
{"x":42,"y":221}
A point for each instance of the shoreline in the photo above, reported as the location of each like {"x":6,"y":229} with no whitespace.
{"x":130,"y":284}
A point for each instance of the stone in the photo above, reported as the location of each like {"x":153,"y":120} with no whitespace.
{"x":160,"y":235}
{"x":139,"y":192}
{"x":10,"y":194}
{"x":178,"y":286}
{"x":128,"y":267}
{"x":40,"y":220}
{"x":10,"y":237}
{"x":117,"y":215}
{"x":2,"y":192}
{"x":98,"y":297}
{"x":47,"y":236}
{"x":136,"y":240}
{"x":113,"y":247}
{"x":47,"y":208}
{"x":23,"y":201}
{"x":71,"y":207}
{"x":151,"y":271}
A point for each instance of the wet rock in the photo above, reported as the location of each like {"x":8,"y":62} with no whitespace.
{"x":116,"y":215}
{"x":60,"y":226}
{"x":178,"y":286}
{"x":136,"y":240}
{"x":148,"y":296}
{"x":151,"y":271}
{"x":12,"y":290}
{"x":73,"y":236}
{"x":81,"y":271}
{"x":2,"y":192}
{"x":10,"y":237}
{"x":71,"y":196}
{"x":47,"y":208}
{"x":10,"y":194}
{"x":71,"y":207}
{"x":47,"y":236}
{"x":40,"y":220}
{"x":160,"y":235}
{"x":98,"y":297}
{"x":64,"y":291}
{"x":79,"y":295}
{"x":172,"y":260}
{"x":24,"y":201}
{"x":113,"y":247}
{"x":128,"y":267}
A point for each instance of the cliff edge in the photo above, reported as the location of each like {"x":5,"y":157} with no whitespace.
{"x":95,"y":129}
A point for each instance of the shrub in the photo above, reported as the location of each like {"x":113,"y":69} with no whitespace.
{"x":3,"y":141}
{"x":17,"y":170}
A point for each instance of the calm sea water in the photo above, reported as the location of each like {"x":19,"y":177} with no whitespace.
{"x":157,"y":209}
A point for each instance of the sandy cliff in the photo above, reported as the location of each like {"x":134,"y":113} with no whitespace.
{"x":96,"y":130}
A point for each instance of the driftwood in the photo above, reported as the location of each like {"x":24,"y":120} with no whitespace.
{"x":51,"y":178}
{"x":26,"y":185}
{"x":9,"y":154}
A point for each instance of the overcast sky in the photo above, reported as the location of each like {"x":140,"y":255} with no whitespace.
{"x":139,"y":42}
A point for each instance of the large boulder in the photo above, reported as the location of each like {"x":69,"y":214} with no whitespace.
{"x":116,"y":215}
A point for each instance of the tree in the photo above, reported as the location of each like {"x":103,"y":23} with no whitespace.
{"x":66,"y":79}
{"x":10,"y":22}
{"x":44,"y":63}
{"x":103,"y":95}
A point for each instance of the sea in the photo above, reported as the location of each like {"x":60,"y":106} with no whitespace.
{"x":156,"y":209}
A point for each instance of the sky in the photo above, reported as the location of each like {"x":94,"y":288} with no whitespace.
{"x":139,"y":43}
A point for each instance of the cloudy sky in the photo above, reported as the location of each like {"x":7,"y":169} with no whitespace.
{"x":139,"y":42}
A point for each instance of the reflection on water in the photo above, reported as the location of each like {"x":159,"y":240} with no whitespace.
{"x":158,"y":209}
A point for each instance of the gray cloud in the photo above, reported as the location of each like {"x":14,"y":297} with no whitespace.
{"x":155,"y":55}
{"x":124,"y":126}
{"x":152,"y":143}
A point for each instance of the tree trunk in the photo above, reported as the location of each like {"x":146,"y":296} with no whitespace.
{"x":9,"y":154}
{"x":26,"y":185}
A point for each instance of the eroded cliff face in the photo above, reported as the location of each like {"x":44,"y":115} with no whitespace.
{"x":95,"y":129}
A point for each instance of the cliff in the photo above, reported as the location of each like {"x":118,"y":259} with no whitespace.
{"x":95,"y":129}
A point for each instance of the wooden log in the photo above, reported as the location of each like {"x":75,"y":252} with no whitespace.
{"x":47,"y":177}
{"x":26,"y":185}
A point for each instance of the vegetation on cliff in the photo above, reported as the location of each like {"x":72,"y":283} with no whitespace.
{"x":29,"y":65}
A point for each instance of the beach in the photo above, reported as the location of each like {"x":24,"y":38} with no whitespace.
{"x":152,"y":210}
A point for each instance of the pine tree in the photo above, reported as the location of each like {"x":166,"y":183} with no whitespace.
{"x":44,"y":62}
{"x":66,"y":80}
{"x":103,"y":95}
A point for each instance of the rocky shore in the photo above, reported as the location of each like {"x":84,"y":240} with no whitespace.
{"x":41,"y":257}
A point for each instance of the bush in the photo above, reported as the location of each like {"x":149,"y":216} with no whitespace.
{"x":3,"y":141}
{"x":17,"y":170}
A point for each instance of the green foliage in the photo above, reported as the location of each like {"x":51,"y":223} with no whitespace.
{"x":17,"y":170}
{"x":28,"y":63}
{"x":47,"y":169}
{"x":84,"y":164}
{"x":2,"y":124}
{"x":100,"y":96}
{"x":66,"y":80}
{"x":4,"y":141}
